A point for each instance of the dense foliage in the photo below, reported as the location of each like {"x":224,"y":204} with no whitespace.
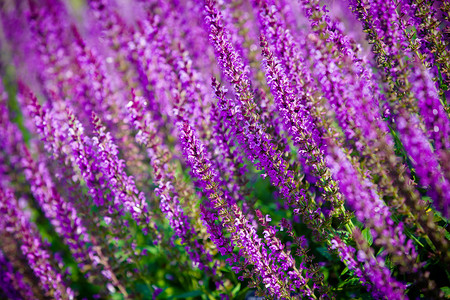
{"x":224,"y":149}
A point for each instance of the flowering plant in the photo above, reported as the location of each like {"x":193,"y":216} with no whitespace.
{"x":224,"y":148}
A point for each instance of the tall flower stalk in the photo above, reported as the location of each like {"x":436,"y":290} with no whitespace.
{"x":16,"y":223}
{"x":224,"y":148}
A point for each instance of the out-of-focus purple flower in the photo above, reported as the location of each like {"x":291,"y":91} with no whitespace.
{"x":434,"y":117}
{"x":341,"y":68}
{"x":374,"y":274}
{"x":16,"y":223}
{"x":347,"y":255}
{"x":61,"y":213}
{"x":48,"y":24}
{"x":371,"y":210}
{"x":41,"y":121}
{"x":11,"y":282}
{"x":425,"y":162}
{"x":382,"y":283}
{"x":149,"y":61}
{"x":386,"y":31}
{"x":112,"y":26}
{"x":428,"y":39}
{"x":156,"y":292}
{"x":96,"y":91}
{"x":286,"y":49}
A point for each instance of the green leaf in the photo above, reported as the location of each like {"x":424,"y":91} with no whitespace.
{"x":446,"y":291}
{"x":447,"y":235}
{"x":151,"y":249}
{"x":188,"y":294}
{"x":143,"y":289}
{"x":344,"y":271}
{"x":368,"y":236}
{"x":350,"y":282}
{"x":117,"y":296}
{"x":324,"y":252}
{"x":236,"y":289}
{"x":380,"y":251}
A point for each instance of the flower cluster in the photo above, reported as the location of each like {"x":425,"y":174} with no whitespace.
{"x":224,"y":148}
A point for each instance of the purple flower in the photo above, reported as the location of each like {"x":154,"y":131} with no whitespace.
{"x":425,"y":162}
{"x":434,"y":116}
{"x":386,"y":30}
{"x":61,"y":213}
{"x":16,"y":223}
{"x":242,"y":232}
{"x":48,"y":24}
{"x":227,"y":154}
{"x":96,"y":93}
{"x":299,"y":124}
{"x":11,"y":283}
{"x":124,"y":136}
{"x":127,"y":198}
{"x":374,"y":275}
{"x":117,"y":33}
{"x":371,"y":210}
{"x":251,"y":133}
{"x":347,"y":255}
{"x":87,"y":162}
{"x":164,"y":176}
{"x":430,"y":39}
